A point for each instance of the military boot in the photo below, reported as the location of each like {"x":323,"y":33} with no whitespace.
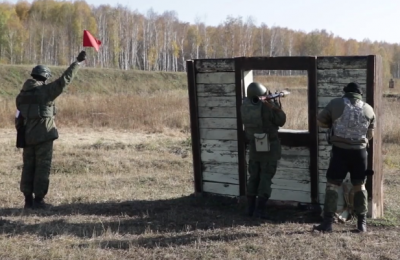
{"x":326,"y":225}
{"x":38,"y":203}
{"x":251,"y":205}
{"x":260,"y":211}
{"x":362,"y":223}
{"x":28,"y":201}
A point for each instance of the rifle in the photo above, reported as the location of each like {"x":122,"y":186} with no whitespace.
{"x":275,"y":96}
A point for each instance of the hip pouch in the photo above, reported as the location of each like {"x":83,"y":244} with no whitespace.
{"x":262,"y":142}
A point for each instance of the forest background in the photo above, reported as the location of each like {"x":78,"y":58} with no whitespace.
{"x":50,"y":32}
{"x":122,"y":173}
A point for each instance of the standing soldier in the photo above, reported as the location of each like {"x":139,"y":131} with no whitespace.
{"x":261,"y":120}
{"x":36,"y":107}
{"x":352,"y":123}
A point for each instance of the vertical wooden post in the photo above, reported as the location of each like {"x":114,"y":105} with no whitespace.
{"x":374,"y":98}
{"x":312,"y":127}
{"x":240,"y":131}
{"x":194,"y":126}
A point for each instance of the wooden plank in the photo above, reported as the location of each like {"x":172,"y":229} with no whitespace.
{"x":322,"y":178}
{"x":194,"y":127}
{"x":221,"y":188}
{"x":229,"y":101}
{"x":299,"y":151}
{"x":217,"y":123}
{"x":294,"y":161}
{"x":322,"y":138}
{"x":288,"y":195}
{"x":221,"y":168}
{"x":218,"y":134}
{"x":291,"y":161}
{"x":215,"y":90}
{"x":213,"y":65}
{"x":275,"y":63}
{"x":292,"y":174}
{"x":322,"y":172}
{"x":341,"y":76}
{"x":232,"y":178}
{"x":292,"y":131}
{"x":321,"y":187}
{"x":323,"y":142}
{"x":323,"y":163}
{"x":374,"y":183}
{"x":324,"y":151}
{"x":208,"y":156}
{"x":377,"y":156}
{"x":342,"y":62}
{"x":219,"y":145}
{"x":229,"y":112}
{"x":336,"y":89}
{"x":323,"y":101}
{"x":291,"y":185}
{"x":216,"y":78}
{"x":313,"y":127}
{"x":239,"y":91}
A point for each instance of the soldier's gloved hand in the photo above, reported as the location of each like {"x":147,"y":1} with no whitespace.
{"x":81,"y":56}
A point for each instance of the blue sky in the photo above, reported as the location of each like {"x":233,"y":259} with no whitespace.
{"x":377,"y":20}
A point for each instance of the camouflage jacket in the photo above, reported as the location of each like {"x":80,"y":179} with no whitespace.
{"x":36,"y":104}
{"x":272,"y":118}
{"x":334,"y":110}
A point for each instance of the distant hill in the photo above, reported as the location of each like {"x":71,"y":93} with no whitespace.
{"x":102,"y":81}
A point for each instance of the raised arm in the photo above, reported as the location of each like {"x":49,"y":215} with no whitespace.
{"x":55,"y":88}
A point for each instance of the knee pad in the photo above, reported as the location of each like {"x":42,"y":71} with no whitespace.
{"x":331,"y":187}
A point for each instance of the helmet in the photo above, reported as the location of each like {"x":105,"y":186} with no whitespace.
{"x":256,"y":89}
{"x":41,"y":71}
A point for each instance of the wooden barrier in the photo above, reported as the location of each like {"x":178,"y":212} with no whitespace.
{"x":216,"y":90}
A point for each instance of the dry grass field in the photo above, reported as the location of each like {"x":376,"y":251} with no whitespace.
{"x":121,"y":186}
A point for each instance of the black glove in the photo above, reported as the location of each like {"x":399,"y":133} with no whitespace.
{"x":81,"y":56}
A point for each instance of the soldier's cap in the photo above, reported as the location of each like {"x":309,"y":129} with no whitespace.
{"x":353,"y":87}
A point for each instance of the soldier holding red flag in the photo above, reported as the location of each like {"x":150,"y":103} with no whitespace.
{"x":35,"y":125}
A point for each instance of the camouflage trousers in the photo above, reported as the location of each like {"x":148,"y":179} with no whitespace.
{"x":36,"y":169}
{"x":260,"y":180}
{"x":360,"y":197}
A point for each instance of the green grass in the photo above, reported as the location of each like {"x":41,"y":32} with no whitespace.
{"x":97,"y":81}
{"x":122,"y":182}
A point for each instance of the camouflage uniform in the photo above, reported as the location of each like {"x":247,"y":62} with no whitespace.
{"x":261,"y":117}
{"x":352,"y":122}
{"x":36,"y":104}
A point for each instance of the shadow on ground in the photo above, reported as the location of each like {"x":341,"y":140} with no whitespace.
{"x":164,"y":241}
{"x":184,"y":214}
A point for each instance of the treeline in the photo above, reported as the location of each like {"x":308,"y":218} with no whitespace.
{"x":50,"y":32}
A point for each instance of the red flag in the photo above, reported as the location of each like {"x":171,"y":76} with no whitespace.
{"x":90,"y":41}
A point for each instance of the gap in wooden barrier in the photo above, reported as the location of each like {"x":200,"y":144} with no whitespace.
{"x":295,"y":105}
